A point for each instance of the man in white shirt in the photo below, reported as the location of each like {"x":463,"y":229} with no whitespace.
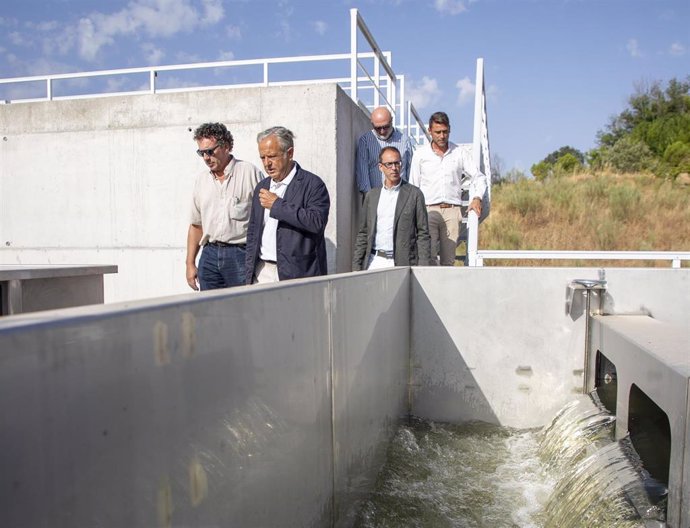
{"x":393,"y":230}
{"x":219,"y":215}
{"x":438,"y":169}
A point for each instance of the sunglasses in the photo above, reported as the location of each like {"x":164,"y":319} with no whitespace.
{"x":207,"y":152}
{"x":383,"y":128}
{"x":391,"y":164}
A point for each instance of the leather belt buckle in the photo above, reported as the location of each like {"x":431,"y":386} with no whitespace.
{"x":382,"y":254}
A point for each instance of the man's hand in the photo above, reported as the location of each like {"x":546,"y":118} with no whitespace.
{"x":267,"y":198}
{"x":192,"y":277}
{"x":476,"y":206}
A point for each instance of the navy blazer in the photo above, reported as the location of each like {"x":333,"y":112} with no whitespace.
{"x":302,"y":216}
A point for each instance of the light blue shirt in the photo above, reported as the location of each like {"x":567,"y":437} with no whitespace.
{"x":369,"y":146}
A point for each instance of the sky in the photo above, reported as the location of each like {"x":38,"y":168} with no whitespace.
{"x":555,"y":70}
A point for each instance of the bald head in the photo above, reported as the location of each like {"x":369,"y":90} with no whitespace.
{"x":382,"y":122}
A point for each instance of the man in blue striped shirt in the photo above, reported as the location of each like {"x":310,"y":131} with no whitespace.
{"x":383,"y":134}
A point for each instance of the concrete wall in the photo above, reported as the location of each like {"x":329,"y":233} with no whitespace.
{"x":655,"y":356}
{"x":109,"y":180}
{"x":495,"y":344}
{"x":267,"y":403}
{"x":262,"y":406}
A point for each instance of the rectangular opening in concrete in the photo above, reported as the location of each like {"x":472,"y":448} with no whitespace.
{"x":650,"y":433}
{"x":606,"y":382}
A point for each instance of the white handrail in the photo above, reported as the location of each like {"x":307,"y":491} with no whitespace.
{"x":676,"y":257}
{"x":482,"y":162}
{"x":392,"y":97}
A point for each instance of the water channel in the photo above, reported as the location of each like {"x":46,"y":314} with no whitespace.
{"x":570,"y":474}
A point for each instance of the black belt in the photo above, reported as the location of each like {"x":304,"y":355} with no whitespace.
{"x":382,"y":254}
{"x":225,"y":244}
{"x":269,"y":261}
{"x":443,"y":205}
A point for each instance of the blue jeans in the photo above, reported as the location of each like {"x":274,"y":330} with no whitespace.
{"x":221,"y":267}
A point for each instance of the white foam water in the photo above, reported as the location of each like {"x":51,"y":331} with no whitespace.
{"x":569,"y":475}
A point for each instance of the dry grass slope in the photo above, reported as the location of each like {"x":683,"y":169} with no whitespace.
{"x":608,"y":212}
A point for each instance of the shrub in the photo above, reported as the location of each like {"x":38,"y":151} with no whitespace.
{"x":541,"y":170}
{"x":624,"y":202}
{"x":629,"y":155}
{"x":521,"y":198}
{"x":595,"y":189}
{"x":567,"y":164}
{"x":677,"y":156}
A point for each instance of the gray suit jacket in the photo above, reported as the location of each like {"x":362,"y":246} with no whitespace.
{"x":410,"y":232}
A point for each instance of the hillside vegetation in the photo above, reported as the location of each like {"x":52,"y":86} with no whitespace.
{"x":606,"y":211}
{"x":631,"y":192}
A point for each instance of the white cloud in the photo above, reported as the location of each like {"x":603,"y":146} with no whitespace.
{"x":187,"y":58}
{"x":465,"y":91}
{"x":285,"y":30}
{"x":152,"y":54}
{"x":176,"y":82}
{"x":320,"y":27}
{"x":677,"y":49}
{"x":450,"y":7}
{"x":234,"y":32}
{"x":226,"y":56}
{"x":154,"y":18}
{"x":633,"y":48}
{"x":17,"y":39}
{"x":424,"y":93}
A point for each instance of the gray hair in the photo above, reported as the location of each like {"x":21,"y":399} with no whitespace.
{"x":284,"y":136}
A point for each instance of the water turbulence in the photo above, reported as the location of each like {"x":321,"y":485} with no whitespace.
{"x":569,"y":474}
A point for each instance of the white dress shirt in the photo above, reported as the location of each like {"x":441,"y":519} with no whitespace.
{"x":385,"y":218}
{"x":441,"y":178}
{"x":268,"y":238}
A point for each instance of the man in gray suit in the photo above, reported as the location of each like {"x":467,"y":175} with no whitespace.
{"x":394,"y":229}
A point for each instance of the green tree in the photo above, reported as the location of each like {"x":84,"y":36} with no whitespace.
{"x":568,"y":163}
{"x":541,"y":170}
{"x":656,"y":117}
{"x":558,"y":154}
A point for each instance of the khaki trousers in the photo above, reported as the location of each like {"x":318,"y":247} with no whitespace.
{"x":444,"y":230}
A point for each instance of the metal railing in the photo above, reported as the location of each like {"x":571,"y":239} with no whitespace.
{"x":388,"y":89}
{"x":676,"y":257}
{"x":482,"y":160}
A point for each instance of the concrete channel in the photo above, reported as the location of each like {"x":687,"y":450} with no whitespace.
{"x":251,"y":406}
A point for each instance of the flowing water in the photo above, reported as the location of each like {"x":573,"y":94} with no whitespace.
{"x":571,"y":474}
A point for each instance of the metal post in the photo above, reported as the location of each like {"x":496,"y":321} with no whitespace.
{"x":152,"y":81}
{"x":377,"y":81}
{"x":353,"y":54}
{"x":403,"y":109}
{"x":390,"y":86}
{"x":472,"y":238}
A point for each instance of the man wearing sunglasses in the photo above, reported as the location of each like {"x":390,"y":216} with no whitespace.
{"x":221,"y":202}
{"x":369,"y":145}
{"x":393,"y":230}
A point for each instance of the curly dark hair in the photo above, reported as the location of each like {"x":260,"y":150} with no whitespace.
{"x":215,"y":130}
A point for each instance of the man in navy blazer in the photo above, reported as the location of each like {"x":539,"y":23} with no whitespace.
{"x":285,"y":237}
